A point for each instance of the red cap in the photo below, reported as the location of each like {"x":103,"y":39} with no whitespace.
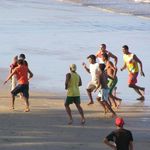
{"x":119,"y":122}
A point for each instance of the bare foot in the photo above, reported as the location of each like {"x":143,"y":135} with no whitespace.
{"x":118,"y":103}
{"x":70,"y":122}
{"x":83,"y":121}
{"x":141,"y":98}
{"x":12,"y":108}
{"x":90,"y":103}
{"x":27,"y":110}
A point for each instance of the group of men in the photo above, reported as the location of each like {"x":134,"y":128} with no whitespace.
{"x":131,"y":62}
{"x":20,"y":71}
{"x":104,"y":78}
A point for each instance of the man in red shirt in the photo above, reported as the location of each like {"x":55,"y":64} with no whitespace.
{"x":23,"y":85}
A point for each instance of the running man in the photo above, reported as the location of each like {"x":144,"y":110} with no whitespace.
{"x":103,"y":95}
{"x":72,"y":83}
{"x":122,"y":139}
{"x":94,"y":71}
{"x":102,"y":51}
{"x":112,"y":79}
{"x":21,"y":72}
{"x":131,"y":62}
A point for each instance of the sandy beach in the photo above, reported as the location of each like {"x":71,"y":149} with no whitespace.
{"x":45,"y":126}
{"x":54,"y":34}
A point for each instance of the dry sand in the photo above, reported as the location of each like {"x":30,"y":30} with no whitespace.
{"x":45,"y":126}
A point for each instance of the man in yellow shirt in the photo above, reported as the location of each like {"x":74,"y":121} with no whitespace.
{"x":131,"y":62}
{"x":72,"y":83}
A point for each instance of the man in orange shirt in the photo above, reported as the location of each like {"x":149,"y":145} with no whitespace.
{"x":23,"y":85}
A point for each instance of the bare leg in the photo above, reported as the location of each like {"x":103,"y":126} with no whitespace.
{"x":90,"y":97}
{"x":111,"y":98}
{"x":110,"y":109}
{"x":102,"y":104}
{"x":13,"y":102}
{"x":81,"y":113}
{"x":116,"y":100}
{"x":139,"y":90}
{"x":68,"y":110}
{"x":27,"y":109}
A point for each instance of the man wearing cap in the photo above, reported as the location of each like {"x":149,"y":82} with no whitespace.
{"x":72,"y":83}
{"x":122,"y":139}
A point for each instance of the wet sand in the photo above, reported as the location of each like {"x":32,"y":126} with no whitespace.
{"x":45,"y":126}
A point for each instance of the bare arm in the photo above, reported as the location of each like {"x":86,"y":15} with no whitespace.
{"x":30,"y":74}
{"x":85,"y":67}
{"x":9,"y":76}
{"x":113,"y":68}
{"x":123,"y":67}
{"x":114,"y":57}
{"x":140,"y":63}
{"x":80,"y":81}
{"x":131,"y":145}
{"x":109,"y":144}
{"x":68,"y":76}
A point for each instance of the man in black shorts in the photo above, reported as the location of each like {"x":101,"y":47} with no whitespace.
{"x":21,"y":72}
{"x":120,"y":139}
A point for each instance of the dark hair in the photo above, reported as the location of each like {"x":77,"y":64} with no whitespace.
{"x":102,"y":67}
{"x":22,"y":56}
{"x":103,"y":45}
{"x":93,"y":57}
{"x":105,"y":55}
{"x":125,"y":47}
{"x":20,"y":62}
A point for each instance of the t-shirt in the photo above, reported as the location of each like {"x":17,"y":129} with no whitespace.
{"x":121,"y":138}
{"x":22,"y":74}
{"x":94,"y":71}
{"x":73,"y":84}
{"x":132,"y":65}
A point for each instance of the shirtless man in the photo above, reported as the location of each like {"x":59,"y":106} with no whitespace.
{"x":112,"y":79}
{"x":103,"y":95}
{"x":102,"y":51}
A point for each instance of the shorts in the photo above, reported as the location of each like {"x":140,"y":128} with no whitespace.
{"x":91,"y":86}
{"x":111,"y":84}
{"x":21,"y":88}
{"x":132,"y":78}
{"x":104,"y":94}
{"x":70,"y":100}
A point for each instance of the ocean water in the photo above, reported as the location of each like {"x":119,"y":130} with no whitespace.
{"x":54,"y":34}
{"x":133,"y":7}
